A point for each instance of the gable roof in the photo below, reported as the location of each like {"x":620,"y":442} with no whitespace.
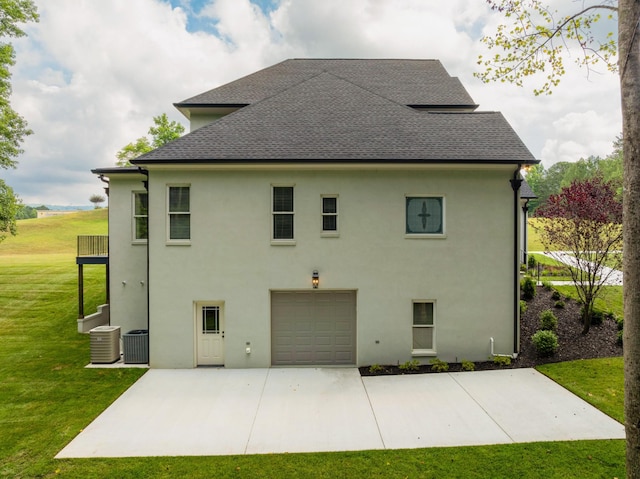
{"x":332,"y":111}
{"x":408,"y":82}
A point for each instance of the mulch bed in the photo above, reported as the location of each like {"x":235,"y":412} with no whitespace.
{"x":600,"y":342}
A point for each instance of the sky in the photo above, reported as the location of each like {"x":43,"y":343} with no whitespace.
{"x":91,"y":75}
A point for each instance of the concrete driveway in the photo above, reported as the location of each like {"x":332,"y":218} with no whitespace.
{"x":208,"y":412}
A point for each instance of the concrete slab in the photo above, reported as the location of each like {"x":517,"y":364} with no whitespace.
{"x":530,"y":407}
{"x":252,"y":411}
{"x":176,"y":412}
{"x":429,"y":410}
{"x":305,"y":410}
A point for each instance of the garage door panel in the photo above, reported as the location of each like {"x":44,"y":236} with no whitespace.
{"x":313,"y":328}
{"x":344,"y":341}
{"x":323,"y":341}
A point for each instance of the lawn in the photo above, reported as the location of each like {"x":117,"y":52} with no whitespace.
{"x":56,"y":234}
{"x":550,"y":269}
{"x":598,"y":381}
{"x":47,"y":396}
{"x":609,"y":300}
{"x":533,"y":237}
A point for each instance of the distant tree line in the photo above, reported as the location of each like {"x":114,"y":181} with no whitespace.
{"x":27,"y":212}
{"x":546,"y":182}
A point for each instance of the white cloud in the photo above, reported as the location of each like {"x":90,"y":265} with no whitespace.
{"x":91,"y":75}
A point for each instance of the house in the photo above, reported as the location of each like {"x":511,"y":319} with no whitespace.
{"x":323,"y":212}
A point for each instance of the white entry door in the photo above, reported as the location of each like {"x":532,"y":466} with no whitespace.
{"x":210,"y":334}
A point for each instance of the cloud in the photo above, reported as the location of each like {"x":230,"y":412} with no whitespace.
{"x":91,"y":75}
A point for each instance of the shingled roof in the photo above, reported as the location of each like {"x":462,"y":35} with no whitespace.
{"x":408,"y":82}
{"x":391,"y":111}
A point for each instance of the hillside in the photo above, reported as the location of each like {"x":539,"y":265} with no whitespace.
{"x":54,"y":235}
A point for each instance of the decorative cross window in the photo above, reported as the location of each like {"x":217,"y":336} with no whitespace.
{"x":425,"y":215}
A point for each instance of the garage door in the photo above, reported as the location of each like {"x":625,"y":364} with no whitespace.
{"x":313,"y":328}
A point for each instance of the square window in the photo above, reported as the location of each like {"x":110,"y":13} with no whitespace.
{"x":425,"y":215}
{"x":423,"y":326}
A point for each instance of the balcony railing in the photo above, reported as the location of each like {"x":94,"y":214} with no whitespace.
{"x":93,"y":245}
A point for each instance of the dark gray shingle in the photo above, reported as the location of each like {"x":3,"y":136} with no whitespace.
{"x":311,"y":113}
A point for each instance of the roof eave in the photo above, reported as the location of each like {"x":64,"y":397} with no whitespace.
{"x":292,"y":161}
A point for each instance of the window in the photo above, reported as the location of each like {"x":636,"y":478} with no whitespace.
{"x":330,"y":215}
{"x":424,"y":327}
{"x":425,"y":215}
{"x":210,"y":319}
{"x":140,"y":216}
{"x":282,"y":212}
{"x":179,"y":215}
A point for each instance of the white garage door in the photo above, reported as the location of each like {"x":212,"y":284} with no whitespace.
{"x":313,"y":328}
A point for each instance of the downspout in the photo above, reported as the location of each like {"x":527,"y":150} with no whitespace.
{"x":525,"y":239}
{"x":146,"y":187}
{"x":516,"y":181}
{"x":108,"y":268}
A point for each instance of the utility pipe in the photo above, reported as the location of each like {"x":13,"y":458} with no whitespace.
{"x":493,"y":355}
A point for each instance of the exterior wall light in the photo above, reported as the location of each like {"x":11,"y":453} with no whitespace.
{"x":315,"y":279}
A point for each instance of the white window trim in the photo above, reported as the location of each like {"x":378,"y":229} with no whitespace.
{"x":330,"y":233}
{"x":135,"y":240}
{"x":177,"y":242}
{"x":442,"y":235}
{"x":288,"y":241}
{"x":425,"y":352}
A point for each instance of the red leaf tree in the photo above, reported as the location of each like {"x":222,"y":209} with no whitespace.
{"x":584,"y":229}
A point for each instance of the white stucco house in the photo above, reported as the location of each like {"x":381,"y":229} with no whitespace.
{"x":323,"y":212}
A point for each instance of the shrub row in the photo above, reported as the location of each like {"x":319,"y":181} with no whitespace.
{"x":545,"y":339}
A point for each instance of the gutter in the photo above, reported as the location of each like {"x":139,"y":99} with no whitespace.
{"x":516,"y":182}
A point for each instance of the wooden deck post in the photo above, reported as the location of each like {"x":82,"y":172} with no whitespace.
{"x":80,"y":292}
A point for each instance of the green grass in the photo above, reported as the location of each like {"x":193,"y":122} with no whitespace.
{"x":533,"y":238}
{"x":47,"y":396}
{"x":597,"y":381}
{"x":610,"y":299}
{"x":54,"y":234}
{"x":551,"y":270}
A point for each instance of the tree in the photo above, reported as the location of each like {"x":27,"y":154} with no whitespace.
{"x":9,"y":206}
{"x":26,"y":212}
{"x":546,"y":182}
{"x":96,"y":200}
{"x":535,"y":42}
{"x":611,"y":167}
{"x":583,"y":169}
{"x":13,"y":128}
{"x":586,"y":221}
{"x":162,"y":133}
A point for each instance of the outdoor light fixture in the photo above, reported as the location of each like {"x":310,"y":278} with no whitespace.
{"x":315,"y":279}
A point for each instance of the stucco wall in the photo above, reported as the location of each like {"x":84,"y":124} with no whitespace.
{"x":127,"y":259}
{"x":231,"y":258}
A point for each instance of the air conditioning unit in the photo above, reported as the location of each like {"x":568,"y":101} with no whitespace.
{"x":105,"y":344}
{"x":135,"y":346}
